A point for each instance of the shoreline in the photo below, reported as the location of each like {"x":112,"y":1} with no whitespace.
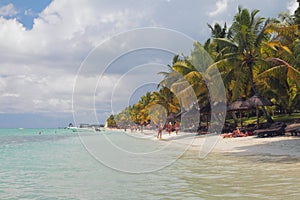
{"x":241,"y":146}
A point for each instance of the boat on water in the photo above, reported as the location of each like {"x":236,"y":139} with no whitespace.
{"x":80,"y":129}
{"x":84,"y":128}
{"x":77,"y":129}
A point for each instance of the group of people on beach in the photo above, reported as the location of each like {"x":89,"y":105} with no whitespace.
{"x":237,"y":133}
{"x":169,"y":128}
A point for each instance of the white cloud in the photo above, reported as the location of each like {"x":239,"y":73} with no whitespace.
{"x":292,"y":5}
{"x":38,"y":66}
{"x":221,"y":6}
{"x":41,"y":63}
{"x":29,"y":12}
{"x":8,"y":10}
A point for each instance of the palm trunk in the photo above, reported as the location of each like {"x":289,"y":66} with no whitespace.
{"x":254,"y":88}
{"x":235,"y":119}
{"x":200,"y":123}
{"x":267,"y":115}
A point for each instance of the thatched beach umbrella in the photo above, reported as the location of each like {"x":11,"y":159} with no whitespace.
{"x":255,"y":101}
{"x":237,"y":105}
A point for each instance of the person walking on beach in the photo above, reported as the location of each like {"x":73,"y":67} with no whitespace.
{"x":160,"y":129}
{"x":176,"y":127}
{"x":169,"y":128}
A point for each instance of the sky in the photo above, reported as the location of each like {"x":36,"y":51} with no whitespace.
{"x":79,"y":61}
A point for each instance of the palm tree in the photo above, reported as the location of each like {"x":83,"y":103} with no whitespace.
{"x":192,"y":83}
{"x":186,"y":80}
{"x":139,"y":112}
{"x":123,"y":118}
{"x":111,"y":121}
{"x":282,"y":51}
{"x":241,"y":55}
{"x":254,"y":56}
{"x":283,"y":82}
{"x":217,"y":32}
{"x":166,"y":98}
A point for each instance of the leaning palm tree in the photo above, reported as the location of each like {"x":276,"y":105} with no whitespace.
{"x":282,"y":77}
{"x":186,"y":79}
{"x":282,"y":82}
{"x":194,"y":85}
{"x":166,"y":99}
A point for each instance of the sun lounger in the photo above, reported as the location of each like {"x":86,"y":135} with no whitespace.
{"x":274,"y":130}
{"x":249,"y":128}
{"x":294,"y":131}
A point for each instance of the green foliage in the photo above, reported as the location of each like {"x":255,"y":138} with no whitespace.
{"x":111,"y":122}
{"x":254,"y":55}
{"x":151,"y":107}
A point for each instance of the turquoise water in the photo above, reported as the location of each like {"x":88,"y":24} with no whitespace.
{"x":59,"y":164}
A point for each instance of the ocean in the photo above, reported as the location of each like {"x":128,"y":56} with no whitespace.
{"x":60,"y":164}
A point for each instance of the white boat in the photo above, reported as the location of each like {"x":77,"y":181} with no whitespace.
{"x":76,"y":129}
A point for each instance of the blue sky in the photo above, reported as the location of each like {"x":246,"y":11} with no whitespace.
{"x":26,"y":10}
{"x":44,"y":43}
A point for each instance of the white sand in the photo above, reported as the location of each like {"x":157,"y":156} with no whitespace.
{"x":251,"y":145}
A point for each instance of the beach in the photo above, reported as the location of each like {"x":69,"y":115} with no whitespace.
{"x":251,"y":145}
